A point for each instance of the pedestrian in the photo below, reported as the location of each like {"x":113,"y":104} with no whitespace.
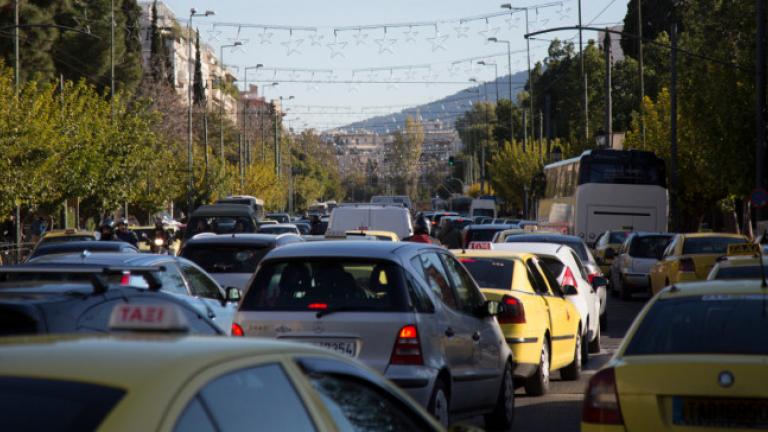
{"x":315,"y":225}
{"x":450,"y":235}
{"x":420,"y":231}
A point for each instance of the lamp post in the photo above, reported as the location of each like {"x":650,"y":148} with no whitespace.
{"x":496,"y":75}
{"x":192,"y":13}
{"x":222,"y":80}
{"x":482,"y":145}
{"x":511,"y":102}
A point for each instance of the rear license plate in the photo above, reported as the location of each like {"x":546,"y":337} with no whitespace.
{"x":346,"y":348}
{"x":720,"y":412}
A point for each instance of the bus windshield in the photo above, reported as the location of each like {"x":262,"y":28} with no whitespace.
{"x":622,"y":167}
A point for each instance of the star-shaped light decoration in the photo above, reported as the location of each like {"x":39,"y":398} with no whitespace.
{"x":265,"y":37}
{"x":410,"y":74}
{"x":489,"y":32}
{"x":386,"y":44}
{"x":410,"y":35}
{"x":438,"y":41}
{"x":316,"y":39}
{"x":430,"y":77}
{"x":238,"y":47}
{"x":512,"y":22}
{"x":336,"y":47}
{"x":462,"y":31}
{"x":213,"y":35}
{"x":360,"y":38}
{"x":292,"y":45}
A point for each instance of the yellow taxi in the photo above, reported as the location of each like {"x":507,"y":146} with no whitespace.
{"x":379,"y":235}
{"x":742,"y":262}
{"x":165,"y":382}
{"x":68,"y":234}
{"x":690,"y":257}
{"x":542,"y":328}
{"x":695,"y":359}
{"x":606,"y":246}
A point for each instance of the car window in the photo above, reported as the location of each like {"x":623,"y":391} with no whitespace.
{"x":617,"y":237}
{"x":580,"y":266}
{"x":327,"y":283}
{"x":729,"y":324}
{"x":535,"y":278}
{"x":495,"y":273}
{"x":554,"y":285}
{"x":648,"y":246}
{"x":466,"y":289}
{"x":259,"y":398}
{"x":199,"y":283}
{"x":437,"y":278}
{"x":599,"y":241}
{"x":194,"y":419}
{"x":171,"y":279}
{"x":670,"y":250}
{"x":739,"y":272}
{"x":709,"y":245}
{"x":31,"y":404}
{"x":419,"y":299}
{"x":357,"y":406}
{"x":226,"y":258}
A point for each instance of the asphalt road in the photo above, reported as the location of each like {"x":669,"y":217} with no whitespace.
{"x":560,"y":409}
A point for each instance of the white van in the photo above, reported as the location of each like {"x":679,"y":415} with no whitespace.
{"x":392,"y":199}
{"x":369,"y":217}
{"x":483,"y":207}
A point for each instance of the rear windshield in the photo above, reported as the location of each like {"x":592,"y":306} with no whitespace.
{"x":481,"y":235}
{"x":333,"y":284}
{"x":617,"y":237}
{"x":482,"y":212}
{"x":219,"y":225}
{"x":731,"y":324}
{"x":41,"y":404}
{"x":709,"y":245}
{"x":554,"y":265}
{"x":648,"y":247}
{"x":266,"y":229}
{"x":578,"y":246}
{"x":739,"y":272}
{"x":226,"y":259}
{"x":490,"y":272}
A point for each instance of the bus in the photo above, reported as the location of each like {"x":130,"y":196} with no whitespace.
{"x":605,"y":190}
{"x":461,"y":205}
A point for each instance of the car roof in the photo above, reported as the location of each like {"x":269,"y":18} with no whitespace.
{"x":710,"y":234}
{"x":223,"y":210}
{"x":140,"y":359}
{"x":650,"y":234}
{"x":532,"y":247}
{"x":713,"y":288}
{"x":497,"y":227}
{"x":92,"y":245}
{"x":534,"y":237}
{"x":69,"y":232}
{"x":108,"y":258}
{"x":347,"y":248}
{"x":279,"y":225}
{"x":241,"y":238}
{"x":485,"y":253}
{"x":737,"y":261}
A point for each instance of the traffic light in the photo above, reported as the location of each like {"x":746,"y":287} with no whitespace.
{"x":451,"y":161}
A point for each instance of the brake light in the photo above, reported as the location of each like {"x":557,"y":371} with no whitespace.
{"x":687,"y":265}
{"x":467,"y":260}
{"x":237,"y":330}
{"x":601,"y":401}
{"x":511,"y":311}
{"x":407,"y":350}
{"x":568,"y":278}
{"x":318,"y":306}
{"x":591,"y":277}
{"x":125,"y":279}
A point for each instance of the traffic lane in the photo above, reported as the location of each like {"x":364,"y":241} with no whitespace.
{"x":560,"y":409}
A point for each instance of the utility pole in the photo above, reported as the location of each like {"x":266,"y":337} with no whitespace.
{"x":547,"y":106}
{"x":17,"y":81}
{"x":277,"y":143}
{"x":530,"y":78}
{"x":541,"y":133}
{"x":190,"y":163}
{"x":640,"y":66}
{"x":673,"y":131}
{"x":608,"y":95}
{"x":583,"y":79}
{"x":511,"y":102}
{"x":760,"y":112}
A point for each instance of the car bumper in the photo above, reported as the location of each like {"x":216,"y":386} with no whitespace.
{"x":593,"y":427}
{"x":636,"y":281}
{"x":417,"y":381}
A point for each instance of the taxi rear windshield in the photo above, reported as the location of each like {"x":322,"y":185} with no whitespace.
{"x":490,"y":272}
{"x":41,"y":404}
{"x":226,"y":259}
{"x":733,"y":324}
{"x":739,"y":272}
{"x":327,"y":284}
{"x":709,"y":245}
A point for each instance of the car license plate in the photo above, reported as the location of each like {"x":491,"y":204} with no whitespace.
{"x":346,"y":348}
{"x":720,"y":412}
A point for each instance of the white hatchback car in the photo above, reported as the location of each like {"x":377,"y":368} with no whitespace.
{"x":568,"y":268}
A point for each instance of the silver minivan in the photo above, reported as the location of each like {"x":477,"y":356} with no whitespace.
{"x":409,"y":310}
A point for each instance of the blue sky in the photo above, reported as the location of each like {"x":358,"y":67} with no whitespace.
{"x":437,"y":55}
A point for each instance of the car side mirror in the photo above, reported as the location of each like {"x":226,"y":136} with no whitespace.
{"x":599,"y":281}
{"x":233,"y":294}
{"x":570,"y":290}
{"x":488,"y":309}
{"x":610,"y":254}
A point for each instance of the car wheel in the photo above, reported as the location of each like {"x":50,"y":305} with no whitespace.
{"x":439,"y":403}
{"x":538,"y":383}
{"x":503,"y":414}
{"x":594,"y":345}
{"x":572,"y":372}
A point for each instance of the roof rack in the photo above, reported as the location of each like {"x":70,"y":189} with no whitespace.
{"x":98,"y":274}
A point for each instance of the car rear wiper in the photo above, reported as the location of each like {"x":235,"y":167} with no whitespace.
{"x":323,"y":312}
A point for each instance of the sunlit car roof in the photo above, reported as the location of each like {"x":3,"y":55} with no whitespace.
{"x":347,"y":248}
{"x":713,"y":288}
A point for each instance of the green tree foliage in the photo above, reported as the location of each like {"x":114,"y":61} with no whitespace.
{"x":314,"y":170}
{"x":657,"y":19}
{"x":199,"y":85}
{"x":403,"y":156}
{"x":512,"y":170}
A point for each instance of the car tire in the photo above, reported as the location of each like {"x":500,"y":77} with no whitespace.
{"x":538,"y":383}
{"x":572,"y":372}
{"x":503,"y":414}
{"x":594,"y":345}
{"x":440,"y":403}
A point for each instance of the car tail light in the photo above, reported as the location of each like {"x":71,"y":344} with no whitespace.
{"x":591,"y":277}
{"x":687,"y":265}
{"x":511,"y":311}
{"x":318,"y":306}
{"x":467,"y":260}
{"x":407,"y":350}
{"x":601,"y":401}
{"x":568,"y":278}
{"x":125,"y":279}
{"x":237,"y":330}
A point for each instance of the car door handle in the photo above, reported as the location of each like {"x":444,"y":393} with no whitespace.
{"x":449,"y":332}
{"x":476,"y":336}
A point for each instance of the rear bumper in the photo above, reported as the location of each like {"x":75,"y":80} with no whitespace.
{"x":636,"y":281}
{"x":417,"y":381}
{"x":593,"y":427}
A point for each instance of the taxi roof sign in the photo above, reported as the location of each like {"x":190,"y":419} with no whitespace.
{"x":148,"y":317}
{"x":741,"y":249}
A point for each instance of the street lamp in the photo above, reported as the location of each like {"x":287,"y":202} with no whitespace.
{"x":222,"y":79}
{"x":511,"y":102}
{"x":496,"y":74}
{"x":192,"y":13}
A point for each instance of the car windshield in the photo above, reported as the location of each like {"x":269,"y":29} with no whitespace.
{"x":739,"y":272}
{"x":617,"y":237}
{"x":226,"y":259}
{"x":719,"y":324}
{"x":481,"y":235}
{"x":320,"y":284}
{"x":709,"y":245}
{"x":482,"y":212}
{"x":648,"y":247}
{"x":43,"y":404}
{"x":220,"y":225}
{"x":490,"y":272}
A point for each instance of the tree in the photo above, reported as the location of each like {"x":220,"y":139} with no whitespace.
{"x":657,"y":18}
{"x":158,"y":61}
{"x":199,"y":86}
{"x":403,"y":156}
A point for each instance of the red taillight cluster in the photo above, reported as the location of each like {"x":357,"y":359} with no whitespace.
{"x":591,"y":277}
{"x":407,"y":350}
{"x":569,"y":279}
{"x":511,"y":311}
{"x":318,"y":306}
{"x":125,"y":279}
{"x":687,"y":265}
{"x":237,"y":330}
{"x":601,"y":401}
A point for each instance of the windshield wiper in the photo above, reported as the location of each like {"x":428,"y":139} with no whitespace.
{"x":324,"y":312}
